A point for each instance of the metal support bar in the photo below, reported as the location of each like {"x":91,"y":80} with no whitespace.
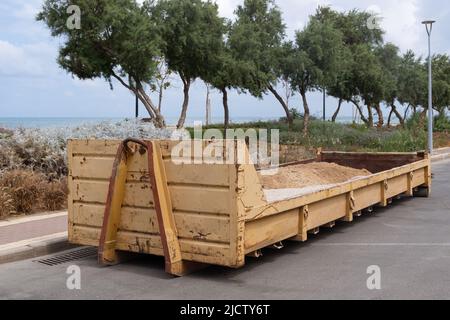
{"x":164,"y":213}
{"x":162,"y":203}
{"x":111,"y":219}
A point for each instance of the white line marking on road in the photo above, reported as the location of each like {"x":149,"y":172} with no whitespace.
{"x":382,"y":244}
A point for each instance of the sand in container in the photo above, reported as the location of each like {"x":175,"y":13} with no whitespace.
{"x":297,"y":180}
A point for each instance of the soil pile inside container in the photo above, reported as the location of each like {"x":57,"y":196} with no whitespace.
{"x":312,"y":174}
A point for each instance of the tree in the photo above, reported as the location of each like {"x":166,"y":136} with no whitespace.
{"x":355,"y":33}
{"x":390,"y":60}
{"x":225,"y":77}
{"x":316,"y":59}
{"x":161,"y":82}
{"x":369,"y":80}
{"x":118,"y":39}
{"x":441,"y":83}
{"x":192,"y":34}
{"x":344,"y":87}
{"x":412,"y":82}
{"x":256,"y":40}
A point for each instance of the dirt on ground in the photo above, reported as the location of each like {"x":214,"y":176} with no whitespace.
{"x":312,"y":174}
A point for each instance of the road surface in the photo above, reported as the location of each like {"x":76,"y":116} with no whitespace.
{"x":409,"y":243}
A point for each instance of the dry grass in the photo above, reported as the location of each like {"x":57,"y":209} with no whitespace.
{"x":23,"y":186}
{"x":7,"y":203}
{"x":54,"y":195}
{"x":27,"y":192}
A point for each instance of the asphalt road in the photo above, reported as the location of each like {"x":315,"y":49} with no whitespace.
{"x":409,"y":242}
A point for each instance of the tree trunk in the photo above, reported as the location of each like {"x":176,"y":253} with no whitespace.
{"x":398,"y":115}
{"x":333,"y":119}
{"x":289,"y":117}
{"x":154,"y":113}
{"x":226,"y":111}
{"x":422,"y":117}
{"x":186,"y":87}
{"x":160,"y":99}
{"x":380,"y":116}
{"x":363,"y":118}
{"x":390,"y":118}
{"x":370,"y":117}
{"x":405,"y":116}
{"x":306,"y":115}
{"x":138,"y":90}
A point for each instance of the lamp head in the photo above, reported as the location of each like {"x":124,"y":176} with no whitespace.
{"x":429,"y":25}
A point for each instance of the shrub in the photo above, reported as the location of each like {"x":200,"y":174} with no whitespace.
{"x":7,"y":203}
{"x":24,"y":191}
{"x":23,"y":186}
{"x":5,"y":133}
{"x":54,"y":195}
{"x":442,"y":124}
{"x":44,"y":150}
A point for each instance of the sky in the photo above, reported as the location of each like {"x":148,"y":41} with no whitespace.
{"x":32,"y":84}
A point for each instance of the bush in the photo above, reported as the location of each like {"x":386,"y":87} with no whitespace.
{"x":23,"y":186}
{"x":442,"y":124}
{"x":7,"y":203}
{"x":44,"y":150}
{"x":24,"y":191}
{"x":54,"y":195}
{"x":5,"y":133}
{"x":343,"y":137}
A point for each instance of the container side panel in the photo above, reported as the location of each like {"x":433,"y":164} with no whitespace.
{"x":419,"y":178}
{"x":397,"y":186}
{"x":201,"y":195}
{"x":191,"y":226}
{"x":100,"y":167}
{"x":264,"y":232}
{"x":137,"y":194}
{"x":325,"y":211}
{"x":367,"y":197}
{"x":192,"y":250}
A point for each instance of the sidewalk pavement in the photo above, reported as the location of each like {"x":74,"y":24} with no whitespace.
{"x":33,"y":236}
{"x":37,"y":235}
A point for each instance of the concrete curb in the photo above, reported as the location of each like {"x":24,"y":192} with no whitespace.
{"x":34,"y":248}
{"x":442,"y":155}
{"x":35,"y":217}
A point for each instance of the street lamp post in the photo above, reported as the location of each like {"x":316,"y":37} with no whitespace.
{"x":324,"y":105}
{"x":429,"y":26}
{"x":137,"y":106}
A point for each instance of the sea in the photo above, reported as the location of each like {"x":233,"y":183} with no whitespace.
{"x":51,"y":122}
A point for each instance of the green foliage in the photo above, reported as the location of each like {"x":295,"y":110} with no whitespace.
{"x":441,"y":82}
{"x":368,"y":75}
{"x":442,"y":124}
{"x":255,"y":40}
{"x":336,"y":51}
{"x":192,"y":33}
{"x":418,"y":122}
{"x":412,"y":80}
{"x":341,"y":137}
{"x":116,"y":35}
{"x":117,"y":39}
